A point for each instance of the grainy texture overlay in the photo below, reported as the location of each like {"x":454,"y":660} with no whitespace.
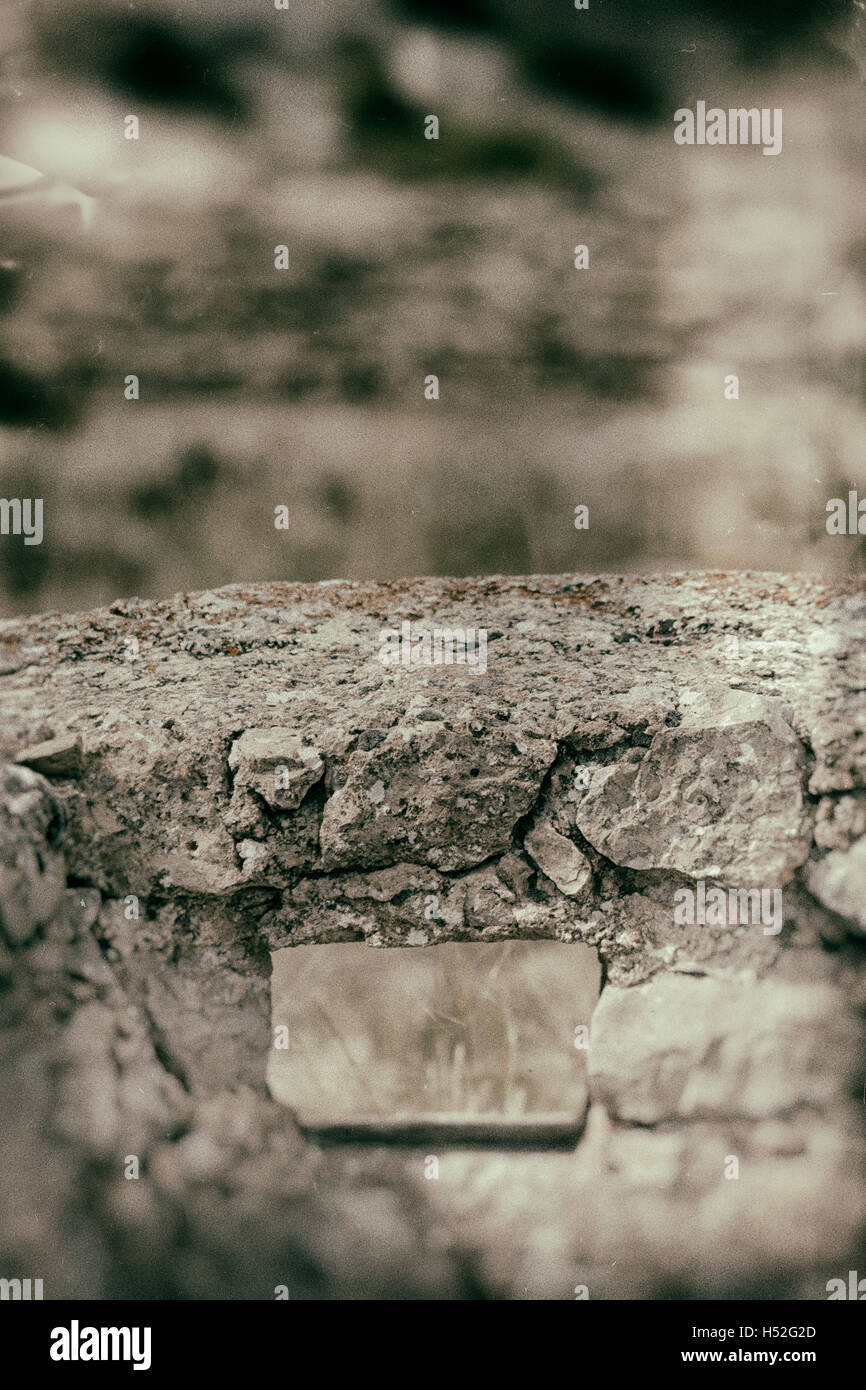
{"x":632,"y":742}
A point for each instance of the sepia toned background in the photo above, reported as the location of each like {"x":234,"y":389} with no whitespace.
{"x":455,"y":1029}
{"x":304,"y":388}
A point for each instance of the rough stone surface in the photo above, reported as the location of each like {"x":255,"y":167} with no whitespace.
{"x":720,"y":795}
{"x":32,"y":868}
{"x":257,"y":779}
{"x":839,"y":882}
{"x":686,"y":1047}
{"x":558,"y":858}
{"x":57,"y":757}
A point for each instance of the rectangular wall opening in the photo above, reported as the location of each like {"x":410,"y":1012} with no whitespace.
{"x":461,"y":1043}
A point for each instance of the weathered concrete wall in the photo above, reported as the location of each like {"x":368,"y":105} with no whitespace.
{"x":629,"y":739}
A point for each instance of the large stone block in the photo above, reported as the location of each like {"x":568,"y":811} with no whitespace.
{"x":688,"y":1047}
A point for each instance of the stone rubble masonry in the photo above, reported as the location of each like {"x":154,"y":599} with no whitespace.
{"x":255,"y":779}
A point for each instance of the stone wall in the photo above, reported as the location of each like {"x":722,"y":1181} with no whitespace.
{"x":630,"y":739}
{"x":411,"y":258}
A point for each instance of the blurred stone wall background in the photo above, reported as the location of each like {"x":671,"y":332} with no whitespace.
{"x":305,"y":387}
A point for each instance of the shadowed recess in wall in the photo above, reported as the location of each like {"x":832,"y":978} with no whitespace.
{"x":479,"y":1044}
